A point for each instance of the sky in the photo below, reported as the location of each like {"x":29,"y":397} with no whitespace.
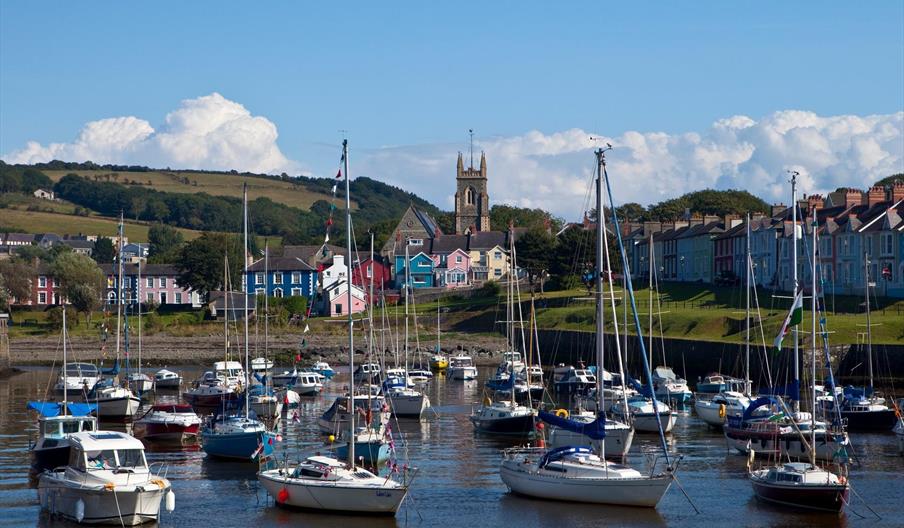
{"x":691,"y":95}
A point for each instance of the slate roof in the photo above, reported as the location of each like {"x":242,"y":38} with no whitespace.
{"x":283,"y":263}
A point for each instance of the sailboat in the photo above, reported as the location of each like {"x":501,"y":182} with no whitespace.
{"x":58,"y":421}
{"x":862,"y":409}
{"x":573,"y":473}
{"x":439,"y":361}
{"x":768,"y":426}
{"x":803,"y":484}
{"x":404,"y":401}
{"x":115,"y":401}
{"x":572,"y":430}
{"x":139,"y":382}
{"x":328,"y":484}
{"x":507,"y":416}
{"x":238,"y":436}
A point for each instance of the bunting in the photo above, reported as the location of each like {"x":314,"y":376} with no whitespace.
{"x":795,"y":316}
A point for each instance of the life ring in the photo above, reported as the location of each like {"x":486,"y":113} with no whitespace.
{"x":562,"y":413}
{"x":721,"y":410}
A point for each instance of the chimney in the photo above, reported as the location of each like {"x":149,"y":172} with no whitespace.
{"x":680,"y":223}
{"x":708,"y":219}
{"x":777,"y":209}
{"x":897,"y":191}
{"x":732,"y":220}
{"x":694,"y":220}
{"x":651,"y":227}
{"x":756,"y":217}
{"x":875,"y":195}
{"x":815,"y":200}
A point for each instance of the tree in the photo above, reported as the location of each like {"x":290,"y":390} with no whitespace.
{"x":15,"y":280}
{"x":103,"y":251}
{"x":165,"y":240}
{"x":631,"y":212}
{"x":201,"y":262}
{"x":82,"y":283}
{"x":535,"y":250}
{"x":502,"y":215}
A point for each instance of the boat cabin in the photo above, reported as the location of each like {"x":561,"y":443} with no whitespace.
{"x":461,"y":361}
{"x":106,"y":450}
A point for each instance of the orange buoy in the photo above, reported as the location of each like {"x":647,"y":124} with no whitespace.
{"x":283,"y":495}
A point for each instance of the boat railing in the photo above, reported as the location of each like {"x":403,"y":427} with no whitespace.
{"x":164,"y":468}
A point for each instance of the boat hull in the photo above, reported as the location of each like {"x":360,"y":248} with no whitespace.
{"x":117,"y":408}
{"x":646,"y":422}
{"x":786,"y":444}
{"x":824,"y":498}
{"x":236,"y":446}
{"x":167,"y":432}
{"x":513,"y":426}
{"x":330,"y":497}
{"x":883,"y":420}
{"x":168,"y":383}
{"x":463,"y":373}
{"x":101,"y":506}
{"x":372,"y":453}
{"x":710,"y":413}
{"x":642,"y":492}
{"x":410,"y":406}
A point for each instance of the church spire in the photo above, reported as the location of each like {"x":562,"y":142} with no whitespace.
{"x":461,"y":165}
{"x":483,"y":164}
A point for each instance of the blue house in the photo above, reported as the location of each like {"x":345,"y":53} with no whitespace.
{"x":421,"y":273}
{"x":282,"y":277}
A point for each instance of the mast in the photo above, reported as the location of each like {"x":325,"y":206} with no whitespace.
{"x":139,"y":323}
{"x":796,"y":389}
{"x":747,"y":271}
{"x":65,"y":390}
{"x":245,"y":279}
{"x":266,"y":306}
{"x":813,"y":359}
{"x":407,"y":292}
{"x":600,"y":307}
{"x":118,"y":289}
{"x":370,"y":298}
{"x":351,"y":333}
{"x":869,"y":336}
{"x":650,"y":272}
{"x":511,"y":310}
{"x":225,"y":308}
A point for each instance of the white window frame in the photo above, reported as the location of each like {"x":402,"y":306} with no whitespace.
{"x":886,"y":244}
{"x":178,"y":298}
{"x":497,"y":272}
{"x":42,"y":297}
{"x":149,"y":282}
{"x":278,"y":293}
{"x":296,"y":277}
{"x":162,"y":282}
{"x":259,"y":278}
{"x":55,"y":282}
{"x":277,"y":277}
{"x":42,"y":282}
{"x":296,"y":292}
{"x":149,"y":296}
{"x":415,"y":241}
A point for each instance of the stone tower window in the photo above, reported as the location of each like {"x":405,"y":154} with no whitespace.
{"x":470,"y":196}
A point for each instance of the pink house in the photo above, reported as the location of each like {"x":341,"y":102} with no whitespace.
{"x":335,"y":298}
{"x":158,"y":285}
{"x":452,"y":269}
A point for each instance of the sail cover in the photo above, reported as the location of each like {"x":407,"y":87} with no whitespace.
{"x":51,"y":409}
{"x":561,"y":452}
{"x":596,"y":429}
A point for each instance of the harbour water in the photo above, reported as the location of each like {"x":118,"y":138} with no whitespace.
{"x":458,"y":479}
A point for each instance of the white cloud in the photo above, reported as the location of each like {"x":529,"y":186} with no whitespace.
{"x":209,"y":132}
{"x":553,"y":171}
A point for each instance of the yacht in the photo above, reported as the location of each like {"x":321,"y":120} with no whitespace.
{"x":238,"y":437}
{"x":670,"y":387}
{"x":337,"y":417}
{"x":107,"y":481}
{"x":167,"y":379}
{"x":801,"y":485}
{"x":404,"y":401}
{"x":573,"y":380}
{"x":168,"y":422}
{"x":504,"y":418}
{"x":461,"y":367}
{"x":642,"y":412}
{"x":139,"y":382}
{"x":78,"y":377}
{"x":367,"y":372}
{"x":722,"y":405}
{"x":286,"y":378}
{"x":113,"y":402}
{"x":616,"y":444}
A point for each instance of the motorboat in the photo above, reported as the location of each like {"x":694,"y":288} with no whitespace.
{"x":167,"y":379}
{"x":210,"y":393}
{"x":715,"y":383}
{"x":367,"y":372}
{"x":714,"y":411}
{"x":230,"y":373}
{"x":324,"y":369}
{"x":325,"y":483}
{"x":801,"y":485}
{"x":113,"y":402}
{"x":861,"y":411}
{"x":461,"y":367}
{"x":168,"y":422}
{"x":261,"y":364}
{"x":616,"y":443}
{"x":670,"y":387}
{"x":286,"y":378}
{"x":308,"y":384}
{"x":573,"y":380}
{"x":504,"y":418}
{"x":107,"y":481}
{"x":439,"y":362}
{"x":236,"y":437}
{"x":420,"y":375}
{"x":78,"y":377}
{"x":576,"y":474}
{"x":642,"y":413}
{"x":54,"y":429}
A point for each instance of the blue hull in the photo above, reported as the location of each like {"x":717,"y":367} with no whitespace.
{"x":240,"y":446}
{"x":373,"y":452}
{"x":325,"y":373}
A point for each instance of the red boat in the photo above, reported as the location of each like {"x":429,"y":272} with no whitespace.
{"x":169,"y":422}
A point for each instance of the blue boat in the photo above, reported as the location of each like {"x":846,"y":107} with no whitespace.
{"x":324,"y":369}
{"x":370,"y":447}
{"x":235,"y":437}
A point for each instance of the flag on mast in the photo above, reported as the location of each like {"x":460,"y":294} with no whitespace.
{"x":795,"y":316}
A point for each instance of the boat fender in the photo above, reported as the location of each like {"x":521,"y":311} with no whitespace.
{"x":331,"y":438}
{"x":283,"y":495}
{"x":79,"y":510}
{"x":109,"y":486}
{"x":721,"y":410}
{"x":562,"y":413}
{"x":170,"y":501}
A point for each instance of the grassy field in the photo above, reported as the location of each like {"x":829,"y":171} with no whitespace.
{"x":214,"y":184}
{"x":64,"y":224}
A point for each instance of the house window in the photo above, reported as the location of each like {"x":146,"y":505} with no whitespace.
{"x":417,"y":280}
{"x":338,"y":309}
{"x":56,"y":298}
{"x":178,"y":298}
{"x":497,"y":255}
{"x":369,"y":272}
{"x":277,"y":278}
{"x":296,"y":292}
{"x":277,"y":292}
{"x":162,"y":297}
{"x":149,"y":282}
{"x":42,"y":282}
{"x":458,"y":259}
{"x":56,"y":282}
{"x":296,"y":277}
{"x":42,"y":298}
{"x":260,"y":291}
{"x":415,"y":242}
{"x":886,"y":244}
{"x":163,"y":282}
{"x":150,"y":297}
{"x":497,"y":272}
{"x":258,"y":278}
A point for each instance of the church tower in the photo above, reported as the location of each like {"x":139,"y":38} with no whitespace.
{"x":472,"y":203}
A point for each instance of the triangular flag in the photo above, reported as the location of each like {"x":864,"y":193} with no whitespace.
{"x":334,"y":188}
{"x":307,"y":329}
{"x":326,"y":238}
{"x":304,"y":343}
{"x":795,"y":316}
{"x":339,"y":174}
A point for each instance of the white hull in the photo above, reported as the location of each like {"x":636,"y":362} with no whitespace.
{"x":408,"y":405}
{"x":332,"y":496}
{"x":709,"y":413}
{"x":307,"y":390}
{"x":141,"y":385}
{"x":123,"y":407}
{"x":101,"y":506}
{"x":642,"y":492}
{"x":463,"y":373}
{"x":646,"y":423}
{"x":619,"y":438}
{"x":788,"y":446}
{"x":266,"y":409}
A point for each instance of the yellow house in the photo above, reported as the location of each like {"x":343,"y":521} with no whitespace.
{"x":489,"y":256}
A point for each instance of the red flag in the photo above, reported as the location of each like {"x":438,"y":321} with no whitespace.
{"x":329,"y":222}
{"x":297,"y":357}
{"x":339,"y":174}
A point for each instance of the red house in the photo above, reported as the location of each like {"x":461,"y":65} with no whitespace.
{"x":380,"y":272}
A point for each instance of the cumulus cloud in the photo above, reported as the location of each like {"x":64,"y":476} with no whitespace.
{"x":553,"y":171}
{"x":209,"y":132}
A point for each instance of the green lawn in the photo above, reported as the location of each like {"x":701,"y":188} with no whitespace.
{"x":65,"y":224}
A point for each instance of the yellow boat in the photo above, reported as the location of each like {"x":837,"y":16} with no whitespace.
{"x":439,"y":362}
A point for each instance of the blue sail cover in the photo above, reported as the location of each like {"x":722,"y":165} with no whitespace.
{"x":756,"y":404}
{"x":561,"y":452}
{"x":51,"y":409}
{"x":113,"y":370}
{"x":638,"y":386}
{"x":596,"y":429}
{"x":792,"y":390}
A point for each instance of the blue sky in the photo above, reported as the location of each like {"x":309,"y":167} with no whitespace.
{"x":399,"y":76}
